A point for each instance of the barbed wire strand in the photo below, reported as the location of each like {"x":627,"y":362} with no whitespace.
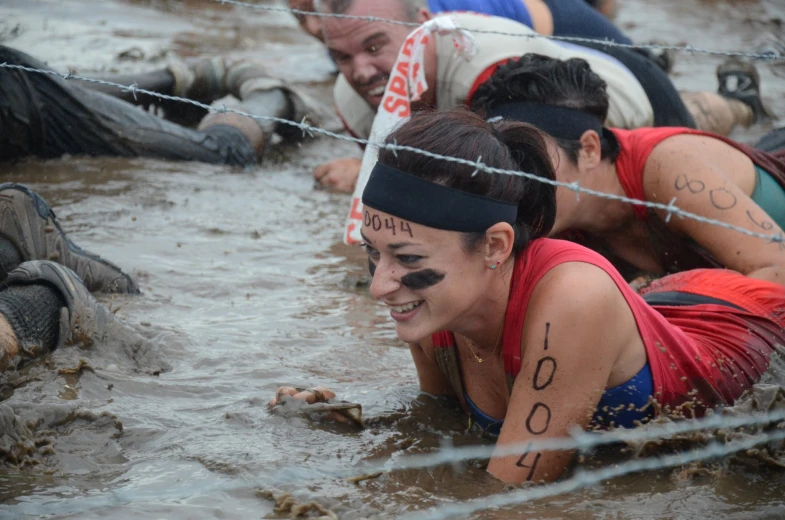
{"x":585,"y":478}
{"x":578,"y":440}
{"x":769,"y":56}
{"x":670,"y":209}
{"x":581,"y":479}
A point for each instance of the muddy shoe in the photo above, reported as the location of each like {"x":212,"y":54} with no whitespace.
{"x":83,"y":320}
{"x":740,"y":80}
{"x":27,"y":221}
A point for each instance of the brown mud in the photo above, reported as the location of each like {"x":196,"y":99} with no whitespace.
{"x":246,"y":287}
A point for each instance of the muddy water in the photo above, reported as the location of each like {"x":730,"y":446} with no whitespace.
{"x":246,"y":286}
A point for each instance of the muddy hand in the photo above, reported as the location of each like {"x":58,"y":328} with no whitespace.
{"x":317,"y":394}
{"x":339,"y":174}
{"x":318,"y":400}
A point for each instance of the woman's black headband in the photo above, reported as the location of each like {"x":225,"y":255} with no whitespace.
{"x":408,"y":197}
{"x":560,"y":122}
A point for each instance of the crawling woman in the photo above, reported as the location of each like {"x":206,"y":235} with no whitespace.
{"x":534,"y":335}
{"x":703,"y":173}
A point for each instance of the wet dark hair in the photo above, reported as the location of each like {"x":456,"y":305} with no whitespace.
{"x":506,"y":145}
{"x":540,"y":79}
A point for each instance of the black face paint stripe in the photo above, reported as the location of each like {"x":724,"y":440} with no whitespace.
{"x":371,"y":267}
{"x":419,"y":280}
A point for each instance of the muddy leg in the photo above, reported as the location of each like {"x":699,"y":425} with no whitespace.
{"x":201,"y":81}
{"x":46,"y":116}
{"x":260,"y":94}
{"x":717,"y":114}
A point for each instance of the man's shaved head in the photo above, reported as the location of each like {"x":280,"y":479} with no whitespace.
{"x":411,"y":7}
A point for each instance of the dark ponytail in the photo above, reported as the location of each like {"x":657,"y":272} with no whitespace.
{"x":562,"y":83}
{"x":505,"y":145}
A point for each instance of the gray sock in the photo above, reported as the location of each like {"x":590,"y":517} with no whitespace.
{"x":34,"y":313}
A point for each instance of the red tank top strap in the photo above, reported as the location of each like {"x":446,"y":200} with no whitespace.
{"x":541,"y":256}
{"x":635,"y":146}
{"x":443,"y":339}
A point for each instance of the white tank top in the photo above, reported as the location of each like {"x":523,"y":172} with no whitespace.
{"x":629,"y":105}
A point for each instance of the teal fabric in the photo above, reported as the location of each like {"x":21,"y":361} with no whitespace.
{"x":769,"y":195}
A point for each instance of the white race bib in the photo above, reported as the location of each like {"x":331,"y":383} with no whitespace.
{"x":406,"y":84}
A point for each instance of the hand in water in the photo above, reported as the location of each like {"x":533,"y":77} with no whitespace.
{"x":321,"y":401}
{"x":317,"y":394}
{"x":339,"y":174}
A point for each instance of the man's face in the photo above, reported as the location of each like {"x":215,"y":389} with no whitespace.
{"x":366,"y":51}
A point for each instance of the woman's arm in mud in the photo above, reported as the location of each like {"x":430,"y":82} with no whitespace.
{"x":700,"y":173}
{"x":577,"y":324}
{"x":431,"y":378}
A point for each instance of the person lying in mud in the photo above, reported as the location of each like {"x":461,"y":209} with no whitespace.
{"x":45,"y":283}
{"x":702,"y":173}
{"x":45,"y":116}
{"x":535,"y":336}
{"x":574,"y":18}
{"x":640,"y":93}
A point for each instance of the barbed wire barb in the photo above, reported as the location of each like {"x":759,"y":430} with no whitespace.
{"x":671,"y":207}
{"x":304,"y":127}
{"x":576,"y":187}
{"x":479,"y":164}
{"x":131,"y":88}
{"x":577,"y":440}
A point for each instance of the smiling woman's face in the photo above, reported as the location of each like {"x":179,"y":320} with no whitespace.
{"x":424,"y":275}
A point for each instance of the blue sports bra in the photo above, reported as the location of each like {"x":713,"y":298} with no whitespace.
{"x":619,"y":406}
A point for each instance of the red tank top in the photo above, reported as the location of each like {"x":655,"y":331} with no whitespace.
{"x":635,"y":146}
{"x":706,"y":353}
